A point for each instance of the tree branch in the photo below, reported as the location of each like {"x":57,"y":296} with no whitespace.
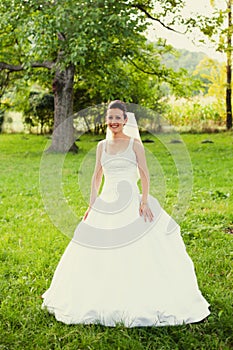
{"x":17,"y":68}
{"x":10,"y":67}
{"x":45,"y":64}
{"x":141,"y":69}
{"x":141,"y":8}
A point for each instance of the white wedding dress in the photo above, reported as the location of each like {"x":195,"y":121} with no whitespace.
{"x":119,"y":268}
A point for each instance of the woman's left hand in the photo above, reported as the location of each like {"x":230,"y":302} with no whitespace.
{"x":145,"y":211}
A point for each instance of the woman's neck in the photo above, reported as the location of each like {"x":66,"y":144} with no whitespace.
{"x":119,"y":135}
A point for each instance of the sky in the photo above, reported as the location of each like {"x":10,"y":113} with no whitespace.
{"x":183,"y":41}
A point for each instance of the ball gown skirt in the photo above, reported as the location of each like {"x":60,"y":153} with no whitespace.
{"x":119,"y":268}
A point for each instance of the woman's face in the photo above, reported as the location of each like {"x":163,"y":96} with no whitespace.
{"x":115,"y":119}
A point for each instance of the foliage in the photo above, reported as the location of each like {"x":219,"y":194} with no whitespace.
{"x":182,"y":58}
{"x":122,"y":81}
{"x":4,"y":78}
{"x":198,"y":113}
{"x":215,"y":27}
{"x":40,"y":111}
{"x":34,"y":101}
{"x":6,"y":81}
{"x":98,"y":37}
{"x":218,"y":29}
{"x":32,"y":247}
{"x":214,"y":73}
{"x":83,"y":34}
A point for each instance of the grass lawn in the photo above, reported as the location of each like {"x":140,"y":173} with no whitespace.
{"x":32,"y":245}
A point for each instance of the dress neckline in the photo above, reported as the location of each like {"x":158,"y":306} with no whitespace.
{"x":120,"y":153}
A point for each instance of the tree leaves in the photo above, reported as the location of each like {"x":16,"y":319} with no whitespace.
{"x":104,"y":39}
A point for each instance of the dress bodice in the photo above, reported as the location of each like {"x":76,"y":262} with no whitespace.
{"x":120,"y":166}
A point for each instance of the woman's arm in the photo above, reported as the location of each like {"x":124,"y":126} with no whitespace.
{"x":96,"y":178}
{"x":145,"y":180}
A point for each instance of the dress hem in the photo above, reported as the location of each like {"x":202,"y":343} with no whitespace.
{"x":161,"y":321}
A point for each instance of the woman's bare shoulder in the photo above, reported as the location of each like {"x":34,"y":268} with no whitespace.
{"x":100,"y":146}
{"x":101,"y":143}
{"x":137,"y":145}
{"x":137,"y":142}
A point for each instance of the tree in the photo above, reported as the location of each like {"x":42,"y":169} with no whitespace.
{"x":69,"y":37}
{"x":219,"y":30}
{"x":39,"y":111}
{"x":213,"y":73}
{"x":229,"y":65}
{"x":140,"y":81}
{"x":61,"y":36}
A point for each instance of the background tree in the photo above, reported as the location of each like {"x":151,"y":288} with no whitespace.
{"x":219,"y":30}
{"x":71,"y":38}
{"x":229,"y":65}
{"x":62,"y":36}
{"x":39,"y":111}
{"x":213,"y":74}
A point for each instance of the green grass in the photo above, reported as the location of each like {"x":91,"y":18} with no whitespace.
{"x":32,"y":245}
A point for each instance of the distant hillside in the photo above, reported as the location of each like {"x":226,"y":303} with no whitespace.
{"x":186,"y":59}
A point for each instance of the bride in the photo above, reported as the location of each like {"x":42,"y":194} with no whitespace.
{"x":127,"y":262}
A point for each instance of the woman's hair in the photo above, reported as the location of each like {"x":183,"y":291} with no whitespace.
{"x":118,"y":104}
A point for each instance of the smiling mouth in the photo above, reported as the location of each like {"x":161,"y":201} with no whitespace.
{"x":114,"y":126}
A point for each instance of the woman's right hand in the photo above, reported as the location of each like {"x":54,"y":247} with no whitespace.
{"x":145,"y":211}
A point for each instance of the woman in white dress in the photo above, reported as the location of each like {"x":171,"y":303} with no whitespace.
{"x":127,"y":262}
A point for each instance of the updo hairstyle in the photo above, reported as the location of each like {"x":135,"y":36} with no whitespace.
{"x":120,"y":105}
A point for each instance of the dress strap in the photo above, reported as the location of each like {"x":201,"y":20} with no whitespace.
{"x":131,"y":141}
{"x":104,"y":146}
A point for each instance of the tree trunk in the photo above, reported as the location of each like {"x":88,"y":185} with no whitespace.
{"x":228,"y":99}
{"x":229,"y":70}
{"x":63,"y":133}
